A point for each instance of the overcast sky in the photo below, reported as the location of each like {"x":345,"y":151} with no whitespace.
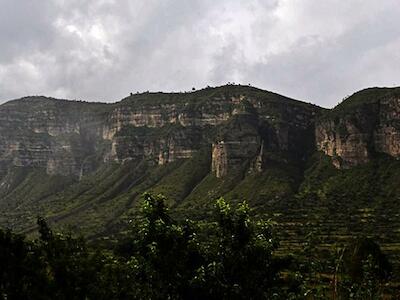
{"x":101,"y":50}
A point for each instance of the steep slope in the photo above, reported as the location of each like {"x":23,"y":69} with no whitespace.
{"x":85,"y":165}
{"x":60,"y":136}
{"x":366,"y":123}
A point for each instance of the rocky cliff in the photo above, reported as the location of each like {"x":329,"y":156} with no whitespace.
{"x":246,"y":128}
{"x":164,"y":128}
{"x":73,"y":138}
{"x":57,"y":135}
{"x":86,"y":164}
{"x":363,"y":125}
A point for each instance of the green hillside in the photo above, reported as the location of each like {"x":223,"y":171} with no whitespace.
{"x":295,"y":185}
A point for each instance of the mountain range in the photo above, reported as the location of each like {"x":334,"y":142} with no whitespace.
{"x":84,"y":166}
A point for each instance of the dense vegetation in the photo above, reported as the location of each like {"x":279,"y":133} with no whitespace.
{"x":231,"y":257}
{"x":366,"y":97}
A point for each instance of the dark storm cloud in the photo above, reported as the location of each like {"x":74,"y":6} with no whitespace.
{"x":318,"y":51}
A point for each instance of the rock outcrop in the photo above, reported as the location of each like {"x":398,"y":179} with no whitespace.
{"x":57,"y":135}
{"x":169,"y":127}
{"x":247,"y":128}
{"x":360,"y":128}
{"x":387,"y":133}
{"x":259,"y":132}
{"x":219,"y":159}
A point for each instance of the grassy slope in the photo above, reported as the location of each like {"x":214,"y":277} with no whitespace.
{"x":341,"y":202}
{"x":203,"y":96}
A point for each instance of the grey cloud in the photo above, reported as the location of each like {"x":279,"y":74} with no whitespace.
{"x":24,"y":26}
{"x":102,"y":50}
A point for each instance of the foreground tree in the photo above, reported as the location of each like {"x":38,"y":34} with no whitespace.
{"x":230,"y":257}
{"x":22,"y":271}
{"x":240,"y":262}
{"x":367,"y":269}
{"x":167,"y":253}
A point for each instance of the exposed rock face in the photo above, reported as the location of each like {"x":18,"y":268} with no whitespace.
{"x":219,"y":159}
{"x":161,"y":131}
{"x":259,"y":132}
{"x":173,"y":129}
{"x":258,"y":164}
{"x":352,"y":135}
{"x":246,"y":127}
{"x":72,"y":138}
{"x":46,"y":133}
{"x":387,"y":134}
{"x":156,"y":145}
{"x":237,"y":144}
{"x":348,"y":147}
{"x":150,"y":115}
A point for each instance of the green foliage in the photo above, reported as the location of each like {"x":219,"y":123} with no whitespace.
{"x":54,"y":266}
{"x":242,"y":265}
{"x":312,"y":267}
{"x":22,"y":272}
{"x":235,"y":261}
{"x":369,"y":284}
{"x":231,"y":258}
{"x":202,"y":97}
{"x":181,"y":181}
{"x":366,"y":97}
{"x":362,"y":251}
{"x":167,"y":252}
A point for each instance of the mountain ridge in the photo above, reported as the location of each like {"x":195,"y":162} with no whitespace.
{"x":84,"y":166}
